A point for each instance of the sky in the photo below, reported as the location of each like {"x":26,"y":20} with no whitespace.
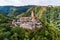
{"x":29,"y":2}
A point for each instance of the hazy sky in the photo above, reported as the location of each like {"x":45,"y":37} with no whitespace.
{"x":29,"y":2}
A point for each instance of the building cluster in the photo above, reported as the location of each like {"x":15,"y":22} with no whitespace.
{"x":28,"y":22}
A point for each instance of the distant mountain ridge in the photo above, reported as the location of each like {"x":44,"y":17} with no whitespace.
{"x":7,"y":9}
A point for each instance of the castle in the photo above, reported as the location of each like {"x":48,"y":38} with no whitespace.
{"x":28,"y":22}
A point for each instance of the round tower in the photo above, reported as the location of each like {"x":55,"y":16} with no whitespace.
{"x":33,"y":16}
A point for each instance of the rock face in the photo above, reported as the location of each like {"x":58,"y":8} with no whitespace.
{"x":28,"y":22}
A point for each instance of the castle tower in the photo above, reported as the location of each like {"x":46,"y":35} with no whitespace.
{"x":32,"y":14}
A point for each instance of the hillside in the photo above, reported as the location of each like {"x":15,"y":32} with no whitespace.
{"x":47,"y":32}
{"x":12,"y":11}
{"x":45,"y":14}
{"x":49,"y":16}
{"x":4,"y":19}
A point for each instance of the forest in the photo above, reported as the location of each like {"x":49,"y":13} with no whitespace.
{"x":48,"y":15}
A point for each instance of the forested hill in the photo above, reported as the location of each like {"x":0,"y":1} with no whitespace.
{"x":13,"y":10}
{"x":48,"y":15}
{"x":4,"y":19}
